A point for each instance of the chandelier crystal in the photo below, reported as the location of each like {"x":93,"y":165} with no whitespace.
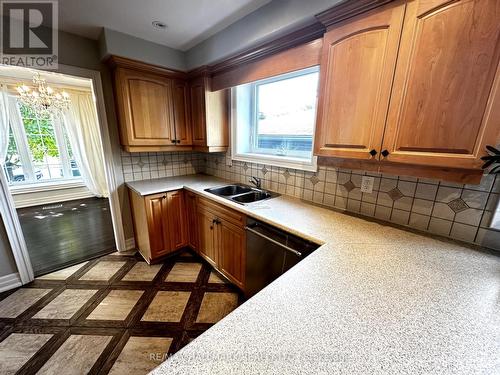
{"x":43,"y":99}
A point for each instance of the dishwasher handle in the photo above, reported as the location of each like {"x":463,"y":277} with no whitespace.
{"x":299,"y":254}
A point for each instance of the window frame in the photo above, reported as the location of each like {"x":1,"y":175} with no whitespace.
{"x":265,"y":158}
{"x":33,"y":185}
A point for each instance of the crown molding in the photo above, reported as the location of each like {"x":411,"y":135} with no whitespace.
{"x":348,"y":9}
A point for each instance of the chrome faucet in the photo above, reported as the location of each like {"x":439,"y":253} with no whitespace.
{"x":256,"y":181}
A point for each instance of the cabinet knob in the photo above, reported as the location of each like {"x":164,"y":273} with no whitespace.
{"x":177,"y":141}
{"x":385,"y":153}
{"x":373,"y":152}
{"x":173,"y":141}
{"x":164,"y":196}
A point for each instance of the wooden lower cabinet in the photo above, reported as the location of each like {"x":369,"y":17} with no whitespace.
{"x":222,"y":240}
{"x":232,"y":245}
{"x":207,"y":246}
{"x":159,"y":223}
{"x":192,"y":220}
{"x":167,"y":222}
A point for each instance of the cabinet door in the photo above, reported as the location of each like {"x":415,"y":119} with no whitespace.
{"x":181,"y":114}
{"x":197,"y":89}
{"x":145,"y":107}
{"x":157,"y":219}
{"x":232,"y":250}
{"x":192,"y":221}
{"x":207,"y":246}
{"x":177,"y":230}
{"x":444,"y":106}
{"x":357,"y":68}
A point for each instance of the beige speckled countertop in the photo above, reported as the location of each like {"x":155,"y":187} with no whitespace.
{"x":372,"y":299}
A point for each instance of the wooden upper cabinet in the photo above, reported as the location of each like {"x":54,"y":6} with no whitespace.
{"x":445,"y":105}
{"x":181,"y":113}
{"x":357,"y":69}
{"x":209,"y":116}
{"x":145,"y":108}
{"x":197,"y":112}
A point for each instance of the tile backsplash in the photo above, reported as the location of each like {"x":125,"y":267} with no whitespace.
{"x":148,"y":165}
{"x":461,"y":212}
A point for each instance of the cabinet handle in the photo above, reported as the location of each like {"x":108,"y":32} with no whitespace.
{"x":385,"y":153}
{"x":373,"y":152}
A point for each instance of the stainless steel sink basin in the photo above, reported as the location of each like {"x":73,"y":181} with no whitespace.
{"x":253,"y":196}
{"x":241,"y":194}
{"x":229,"y":190}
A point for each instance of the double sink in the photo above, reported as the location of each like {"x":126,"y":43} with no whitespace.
{"x":241,"y":194}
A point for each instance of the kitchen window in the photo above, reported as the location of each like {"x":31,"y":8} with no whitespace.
{"x":39,"y":151}
{"x":273,"y":120}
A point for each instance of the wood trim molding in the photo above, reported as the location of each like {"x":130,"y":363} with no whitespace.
{"x":348,"y":9}
{"x":117,"y":61}
{"x":296,"y":58}
{"x":304,"y":35}
{"x":9,"y":282}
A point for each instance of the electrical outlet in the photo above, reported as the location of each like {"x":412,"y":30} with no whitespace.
{"x":367,"y":184}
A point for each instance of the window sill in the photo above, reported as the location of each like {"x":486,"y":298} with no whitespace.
{"x":46,"y":186}
{"x":278,"y":161}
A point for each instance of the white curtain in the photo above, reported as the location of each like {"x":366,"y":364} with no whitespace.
{"x":82,"y":126}
{"x":4,"y":123}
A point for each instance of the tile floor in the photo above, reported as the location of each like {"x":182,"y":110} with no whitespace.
{"x":115,"y":315}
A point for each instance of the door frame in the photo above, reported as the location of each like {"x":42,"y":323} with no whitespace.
{"x":8,"y":209}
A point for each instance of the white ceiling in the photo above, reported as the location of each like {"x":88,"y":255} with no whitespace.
{"x":189,"y":21}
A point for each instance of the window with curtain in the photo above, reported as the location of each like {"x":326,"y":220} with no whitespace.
{"x":274,"y":119}
{"x":38,"y":151}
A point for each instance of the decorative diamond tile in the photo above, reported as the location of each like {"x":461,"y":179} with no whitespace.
{"x":245,"y":167}
{"x":287,"y":174}
{"x":164,"y":162}
{"x":458,"y":205}
{"x":264,"y":170}
{"x":349,"y":185}
{"x":395,"y":194}
{"x":140,"y":164}
{"x":185,"y":160}
{"x":314,"y":179}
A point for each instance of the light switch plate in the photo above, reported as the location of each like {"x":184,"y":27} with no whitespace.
{"x":367,"y":184}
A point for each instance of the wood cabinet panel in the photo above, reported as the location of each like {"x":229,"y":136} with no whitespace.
{"x":197,"y":89}
{"x":157,"y":224}
{"x":177,"y":228}
{"x":232,"y":249}
{"x":192,"y":220}
{"x":207,"y":246}
{"x":145,"y":108}
{"x":181,"y":113}
{"x":441,"y":111}
{"x":358,"y":63}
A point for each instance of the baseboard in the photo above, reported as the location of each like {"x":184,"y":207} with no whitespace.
{"x":130,"y":243}
{"x":9,"y":282}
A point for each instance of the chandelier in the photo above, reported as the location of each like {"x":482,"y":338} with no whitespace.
{"x":43,"y":99}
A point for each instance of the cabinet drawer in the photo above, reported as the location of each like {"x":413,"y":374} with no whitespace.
{"x":222,"y":212}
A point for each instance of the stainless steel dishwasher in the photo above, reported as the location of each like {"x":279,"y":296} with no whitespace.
{"x":270,"y":253}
